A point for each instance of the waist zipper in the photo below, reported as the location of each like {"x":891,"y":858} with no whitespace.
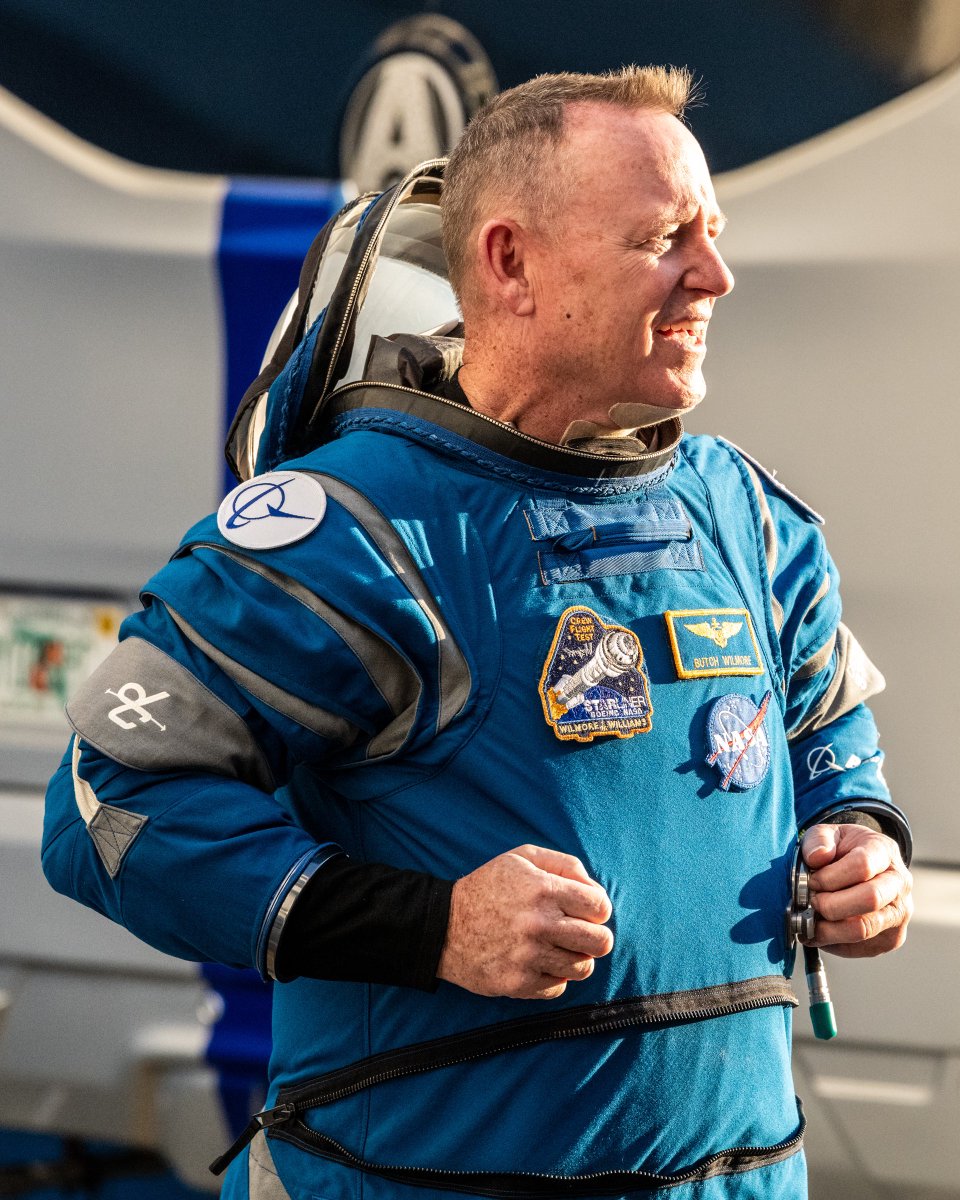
{"x":650,"y":1012}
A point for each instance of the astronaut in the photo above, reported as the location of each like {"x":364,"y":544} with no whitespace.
{"x":479,"y":717}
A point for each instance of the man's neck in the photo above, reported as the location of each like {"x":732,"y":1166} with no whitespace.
{"x":536,"y":409}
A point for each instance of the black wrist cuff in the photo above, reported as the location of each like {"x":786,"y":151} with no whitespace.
{"x":366,"y":923}
{"x":850,"y":816}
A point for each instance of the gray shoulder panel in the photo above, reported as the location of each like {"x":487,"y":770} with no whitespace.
{"x":318,"y":720}
{"x":145,"y":710}
{"x":453,"y":670}
{"x":390,"y":673}
{"x":854,"y":681}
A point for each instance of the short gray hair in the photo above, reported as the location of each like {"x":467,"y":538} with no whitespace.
{"x":504,"y":151}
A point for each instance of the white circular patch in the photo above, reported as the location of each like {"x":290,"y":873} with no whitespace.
{"x":272,"y":510}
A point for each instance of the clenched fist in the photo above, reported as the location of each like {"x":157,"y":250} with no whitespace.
{"x":860,"y":890}
{"x":524,"y":925}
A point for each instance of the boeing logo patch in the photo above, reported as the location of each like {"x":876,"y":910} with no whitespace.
{"x":822,"y":759}
{"x":739,"y":746}
{"x":713,"y":641}
{"x":272,"y":510}
{"x":592,"y":682}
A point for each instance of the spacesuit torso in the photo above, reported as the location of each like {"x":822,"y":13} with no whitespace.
{"x":482,"y":644}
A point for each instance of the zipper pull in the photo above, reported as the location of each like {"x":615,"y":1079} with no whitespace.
{"x":262,"y":1120}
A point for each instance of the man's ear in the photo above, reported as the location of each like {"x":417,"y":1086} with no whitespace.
{"x":503,"y":265}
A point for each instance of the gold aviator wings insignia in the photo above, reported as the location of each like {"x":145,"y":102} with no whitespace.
{"x":719,"y":632}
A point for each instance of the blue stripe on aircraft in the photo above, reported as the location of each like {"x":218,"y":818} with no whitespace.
{"x":267,"y":228}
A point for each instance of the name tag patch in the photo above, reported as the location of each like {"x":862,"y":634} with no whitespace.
{"x":713,"y":641}
{"x":593,"y":682}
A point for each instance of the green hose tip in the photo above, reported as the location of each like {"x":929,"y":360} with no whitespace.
{"x":822,"y":1015}
{"x":824,"y":1020}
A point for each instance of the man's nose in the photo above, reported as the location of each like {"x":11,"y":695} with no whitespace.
{"x":709,"y":273}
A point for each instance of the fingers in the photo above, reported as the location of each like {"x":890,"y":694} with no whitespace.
{"x":883,"y":943}
{"x":581,"y":937}
{"x":554,"y":862}
{"x":861,"y":863}
{"x":866,"y":927}
{"x":588,"y":902}
{"x":861,"y":892}
{"x":857,"y":854}
{"x":890,"y":938}
{"x":576,"y":894}
{"x":862,"y":898}
{"x":554,"y":969}
{"x":559,"y":964}
{"x":546,"y":989}
{"x":868,"y":919}
{"x":820,"y":845}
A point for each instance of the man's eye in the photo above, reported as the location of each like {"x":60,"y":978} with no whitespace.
{"x":661,"y":242}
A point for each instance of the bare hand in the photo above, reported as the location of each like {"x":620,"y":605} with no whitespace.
{"x":860,"y":890}
{"x":524,"y":924}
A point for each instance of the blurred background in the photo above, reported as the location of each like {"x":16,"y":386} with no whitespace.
{"x":163,"y":168}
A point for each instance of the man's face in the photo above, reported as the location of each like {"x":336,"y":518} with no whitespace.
{"x":626,"y":283}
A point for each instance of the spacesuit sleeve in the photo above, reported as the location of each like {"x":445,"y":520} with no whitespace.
{"x":828,"y":678}
{"x":163,"y":814}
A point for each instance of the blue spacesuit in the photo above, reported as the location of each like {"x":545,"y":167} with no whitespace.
{"x":424,"y":643}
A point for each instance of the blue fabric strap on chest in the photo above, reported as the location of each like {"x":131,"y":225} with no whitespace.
{"x":598,"y":562}
{"x":659,"y":518}
{"x":623,"y":533}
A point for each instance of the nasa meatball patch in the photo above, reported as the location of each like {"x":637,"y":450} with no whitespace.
{"x":593,"y":682}
{"x":739,"y":746}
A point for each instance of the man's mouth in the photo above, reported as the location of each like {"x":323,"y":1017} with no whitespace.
{"x":691,"y":335}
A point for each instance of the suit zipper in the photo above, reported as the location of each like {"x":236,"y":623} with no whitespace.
{"x":296,"y":1100}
